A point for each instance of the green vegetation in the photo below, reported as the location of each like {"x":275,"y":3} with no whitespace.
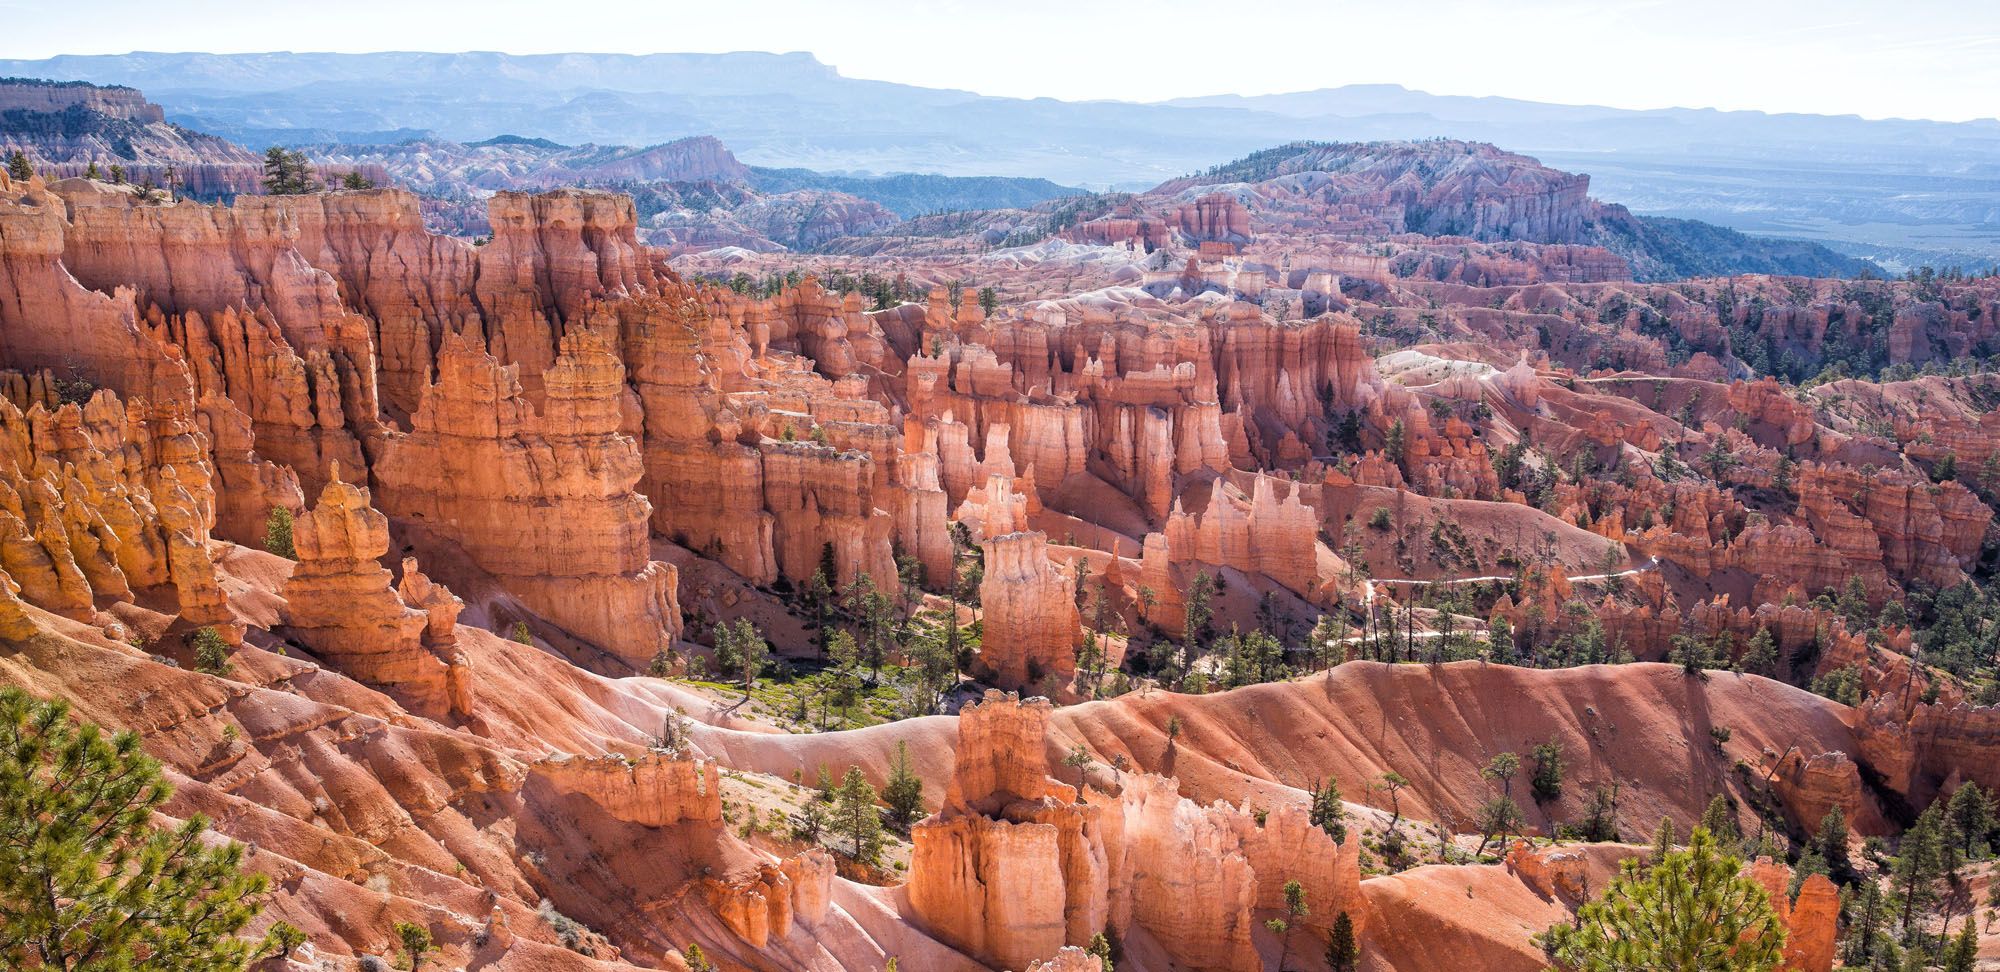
{"x":416,"y":941}
{"x":1692,"y":910}
{"x":211,"y":653}
{"x":278,"y":533}
{"x":87,"y":884}
{"x":287,"y":173}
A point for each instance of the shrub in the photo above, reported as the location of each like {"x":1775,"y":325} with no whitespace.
{"x":211,"y":653}
{"x":278,"y":533}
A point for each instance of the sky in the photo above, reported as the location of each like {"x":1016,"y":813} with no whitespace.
{"x":1936,"y":59}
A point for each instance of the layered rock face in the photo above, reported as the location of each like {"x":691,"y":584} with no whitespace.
{"x":543,"y":501}
{"x":339,"y":602}
{"x":63,"y":127}
{"x":105,"y":500}
{"x":652,"y":790}
{"x":1032,"y":622}
{"x":1016,"y":865}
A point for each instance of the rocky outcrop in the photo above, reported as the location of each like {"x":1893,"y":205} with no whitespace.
{"x":1811,"y":922}
{"x":652,"y":790}
{"x":1031,"y":621}
{"x":340,"y":603}
{"x":1017,"y":866}
{"x":65,"y":126}
{"x":105,"y":499}
{"x":543,"y":501}
{"x":764,"y":905}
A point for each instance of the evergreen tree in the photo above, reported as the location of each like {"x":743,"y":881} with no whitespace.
{"x":1195,"y":616}
{"x":1865,"y":924}
{"x":1078,"y":758}
{"x":1393,"y":783}
{"x":90,"y":171}
{"x":740,"y":650}
{"x":904,"y":793}
{"x":694,"y":959}
{"x":1761,"y":657}
{"x":855,"y":816}
{"x":1971,"y":813}
{"x":1695,"y":910}
{"x":1502,"y":768}
{"x":355,"y":180}
{"x":1963,"y":952}
{"x":1918,"y":865}
{"x":287,"y":173}
{"x":1664,"y":841}
{"x":1547,"y":781}
{"x":211,"y":653}
{"x":278,"y":533}
{"x":1343,"y":951}
{"x":1720,"y":819}
{"x":416,"y":941}
{"x":815,"y":817}
{"x":1327,"y":812}
{"x":1295,"y":910}
{"x":19,"y":168}
{"x":87,"y":884}
{"x":283,"y":939}
{"x":1498,"y":817}
{"x":1831,"y":842}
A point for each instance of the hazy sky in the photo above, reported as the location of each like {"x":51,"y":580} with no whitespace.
{"x":1910,"y":58}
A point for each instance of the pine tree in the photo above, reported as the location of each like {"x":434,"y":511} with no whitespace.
{"x":1664,"y":841}
{"x":1693,"y":910}
{"x":1327,"y":812}
{"x":1761,"y":658}
{"x":1498,"y":817}
{"x":90,"y":171}
{"x":855,"y":816}
{"x":1831,"y":842}
{"x":1720,"y":819}
{"x":287,"y":173}
{"x":283,"y":939}
{"x":814,"y":819}
{"x":1865,"y":925}
{"x":904,"y":792}
{"x":211,"y":653}
{"x":1393,"y":783}
{"x":1547,"y":781}
{"x":1343,"y":952}
{"x":416,"y":941}
{"x":1919,"y":861}
{"x":740,"y":650}
{"x":278,"y":533}
{"x":1963,"y":952}
{"x":19,"y":168}
{"x":694,"y":959}
{"x":86,"y":881}
{"x":1295,"y":910}
{"x":1971,"y":813}
{"x":1502,"y":768}
{"x":1078,"y":758}
{"x":1100,"y":943}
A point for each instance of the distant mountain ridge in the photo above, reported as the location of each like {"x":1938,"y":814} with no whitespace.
{"x":1914,"y":189}
{"x":64,"y":128}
